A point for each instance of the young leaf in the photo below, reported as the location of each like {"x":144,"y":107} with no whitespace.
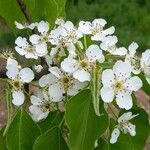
{"x":22,"y":132}
{"x":51,"y":140}
{"x":2,"y":140}
{"x":95,"y":88}
{"x":85,"y":126}
{"x":53,"y":119}
{"x":137,"y":142}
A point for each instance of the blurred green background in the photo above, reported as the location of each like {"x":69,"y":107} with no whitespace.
{"x":131,"y":18}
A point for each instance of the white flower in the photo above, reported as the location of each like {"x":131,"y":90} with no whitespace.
{"x":59,"y":83}
{"x":25,"y":49}
{"x":59,"y":21}
{"x":18,"y":77}
{"x":123,"y":125}
{"x":38,"y":68}
{"x":118,"y":84}
{"x":64,"y":36}
{"x":40,"y":41}
{"x":41,"y":106}
{"x":81,"y":68}
{"x":145,"y":64}
{"x":109,"y":44}
{"x":132,"y":59}
{"x":25,"y":26}
{"x":95,"y":29}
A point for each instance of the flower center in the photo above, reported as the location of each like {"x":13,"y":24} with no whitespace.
{"x":66,"y":81}
{"x":44,"y":38}
{"x":48,"y":106}
{"x":96,"y":29}
{"x":84,"y":64}
{"x":17,"y":84}
{"x":30,"y":49}
{"x":118,"y":85}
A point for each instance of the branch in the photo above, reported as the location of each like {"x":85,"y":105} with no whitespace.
{"x":24,"y":10}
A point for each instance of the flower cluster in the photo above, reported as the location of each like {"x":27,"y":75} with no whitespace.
{"x":71,"y":54}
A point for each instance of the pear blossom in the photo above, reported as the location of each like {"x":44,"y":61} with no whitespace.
{"x":64,"y":36}
{"x":145,"y":64}
{"x":41,"y":106}
{"x":25,"y":26}
{"x":118,"y":84}
{"x":18,"y":77}
{"x":132,"y":59}
{"x":59,"y":83}
{"x":24,"y":48}
{"x":95,"y":28}
{"x":109,"y":44}
{"x":81,"y":68}
{"x":123,"y":125}
{"x":40,"y":41}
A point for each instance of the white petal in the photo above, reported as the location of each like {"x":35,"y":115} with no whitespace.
{"x":108,"y":77}
{"x":79,"y":85}
{"x":132,"y":48}
{"x":124,"y":100}
{"x":131,"y":129}
{"x":48,"y":79}
{"x":37,"y":113}
{"x":21,"y":51}
{"x":35,"y":100}
{"x":72,"y":92}
{"x":94,"y":53}
{"x":43,"y":27}
{"x":134,"y":83}
{"x":100,"y":22}
{"x":120,"y":51}
{"x":26,"y":75}
{"x":53,"y":51}
{"x":69,"y":65}
{"x":55,"y":92}
{"x":18,"y":98}
{"x":71,"y":48}
{"x":12,"y":68}
{"x":107,"y":94}
{"x":109,"y":31}
{"x":84,"y":27}
{"x":34,"y":39}
{"x":19,"y":25}
{"x":55,"y":71}
{"x":122,"y":70}
{"x":125,"y":117}
{"x":114,"y":136}
{"x":21,"y":42}
{"x":41,"y":49}
{"x":82,"y":75}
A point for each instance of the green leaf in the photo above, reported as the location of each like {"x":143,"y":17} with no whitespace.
{"x":85,"y":126}
{"x":51,"y":140}
{"x":22,"y":132}
{"x":48,"y":10}
{"x":127,"y":142}
{"x":53,"y":119}
{"x":146,"y":86}
{"x":2,"y":140}
{"x":102,"y":145}
{"x":10,"y":11}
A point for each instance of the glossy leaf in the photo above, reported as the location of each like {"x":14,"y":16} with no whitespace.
{"x":22,"y":132}
{"x":51,"y":140}
{"x":85,"y":126}
{"x":10,"y":11}
{"x":53,"y":119}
